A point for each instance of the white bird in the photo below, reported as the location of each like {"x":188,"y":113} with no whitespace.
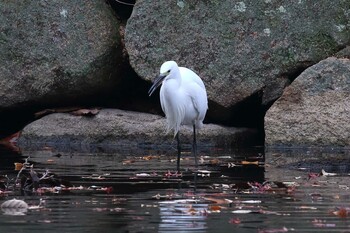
{"x":183,"y":99}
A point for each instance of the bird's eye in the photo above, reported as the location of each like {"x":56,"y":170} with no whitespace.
{"x":168,"y":71}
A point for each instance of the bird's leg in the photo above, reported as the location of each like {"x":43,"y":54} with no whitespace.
{"x":178,"y":151}
{"x":194,"y":145}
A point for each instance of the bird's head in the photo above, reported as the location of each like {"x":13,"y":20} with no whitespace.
{"x":166,"y":71}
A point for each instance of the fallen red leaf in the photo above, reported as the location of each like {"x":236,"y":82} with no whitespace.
{"x":313,"y":175}
{"x":149,"y":157}
{"x":342,"y":212}
{"x":291,"y":189}
{"x":264,"y":187}
{"x":109,"y":190}
{"x":234,"y":221}
{"x":170,"y":174}
{"x":215,"y":208}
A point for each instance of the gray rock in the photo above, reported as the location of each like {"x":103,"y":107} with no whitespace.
{"x":125,"y":129}
{"x":238,"y":47}
{"x":56,"y":51}
{"x":315,"y":109}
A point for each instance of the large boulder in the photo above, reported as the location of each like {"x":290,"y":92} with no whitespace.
{"x":239,"y":48}
{"x":125,"y":129}
{"x":315,"y":109}
{"x":56,"y":51}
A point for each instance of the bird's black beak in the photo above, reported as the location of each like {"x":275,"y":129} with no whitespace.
{"x":156,"y":83}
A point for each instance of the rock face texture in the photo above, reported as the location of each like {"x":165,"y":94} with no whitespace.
{"x":315,"y":109}
{"x":125,"y":128}
{"x":239,"y":48}
{"x":56,"y":51}
{"x":61,"y":53}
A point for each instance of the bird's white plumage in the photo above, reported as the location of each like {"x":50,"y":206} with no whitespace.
{"x":184,"y":101}
{"x":183,"y":97}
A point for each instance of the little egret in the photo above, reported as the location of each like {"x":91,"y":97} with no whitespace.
{"x":183,"y":99}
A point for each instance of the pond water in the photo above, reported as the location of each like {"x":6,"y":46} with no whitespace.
{"x":246,"y":190}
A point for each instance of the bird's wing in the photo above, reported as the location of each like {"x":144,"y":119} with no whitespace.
{"x":196,"y":91}
{"x":199,"y":100}
{"x":190,"y":76}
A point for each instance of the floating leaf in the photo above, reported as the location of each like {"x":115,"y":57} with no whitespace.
{"x":37,"y":207}
{"x":261,"y":211}
{"x":342,"y":212}
{"x":324,"y":173}
{"x":170,"y":174}
{"x":204,"y":173}
{"x":230,"y":165}
{"x":143,"y":175}
{"x":251,"y":201}
{"x":242,"y":211}
{"x":129,"y":161}
{"x":215,"y":208}
{"x":343,"y":186}
{"x":306,"y":208}
{"x":313,"y":175}
{"x":149,"y":157}
{"x":257,"y":187}
{"x":94,"y":177}
{"x":18,"y":166}
{"x":250,"y":163}
{"x":234,"y":221}
{"x":218,"y":201}
{"x":214,"y":161}
{"x":192,"y":210}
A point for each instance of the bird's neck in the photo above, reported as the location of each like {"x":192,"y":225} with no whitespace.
{"x":177,"y":76}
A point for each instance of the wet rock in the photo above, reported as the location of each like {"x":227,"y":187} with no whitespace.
{"x":126,"y":129}
{"x":315,"y":109}
{"x":56,"y":51}
{"x":238,"y":48}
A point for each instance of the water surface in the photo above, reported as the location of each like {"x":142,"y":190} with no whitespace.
{"x":139,"y":191}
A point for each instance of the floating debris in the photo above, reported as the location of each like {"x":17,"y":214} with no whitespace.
{"x":14,"y":207}
{"x":243,"y":211}
{"x":324,"y":173}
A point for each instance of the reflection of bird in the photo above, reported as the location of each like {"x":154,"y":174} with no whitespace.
{"x":184,"y":100}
